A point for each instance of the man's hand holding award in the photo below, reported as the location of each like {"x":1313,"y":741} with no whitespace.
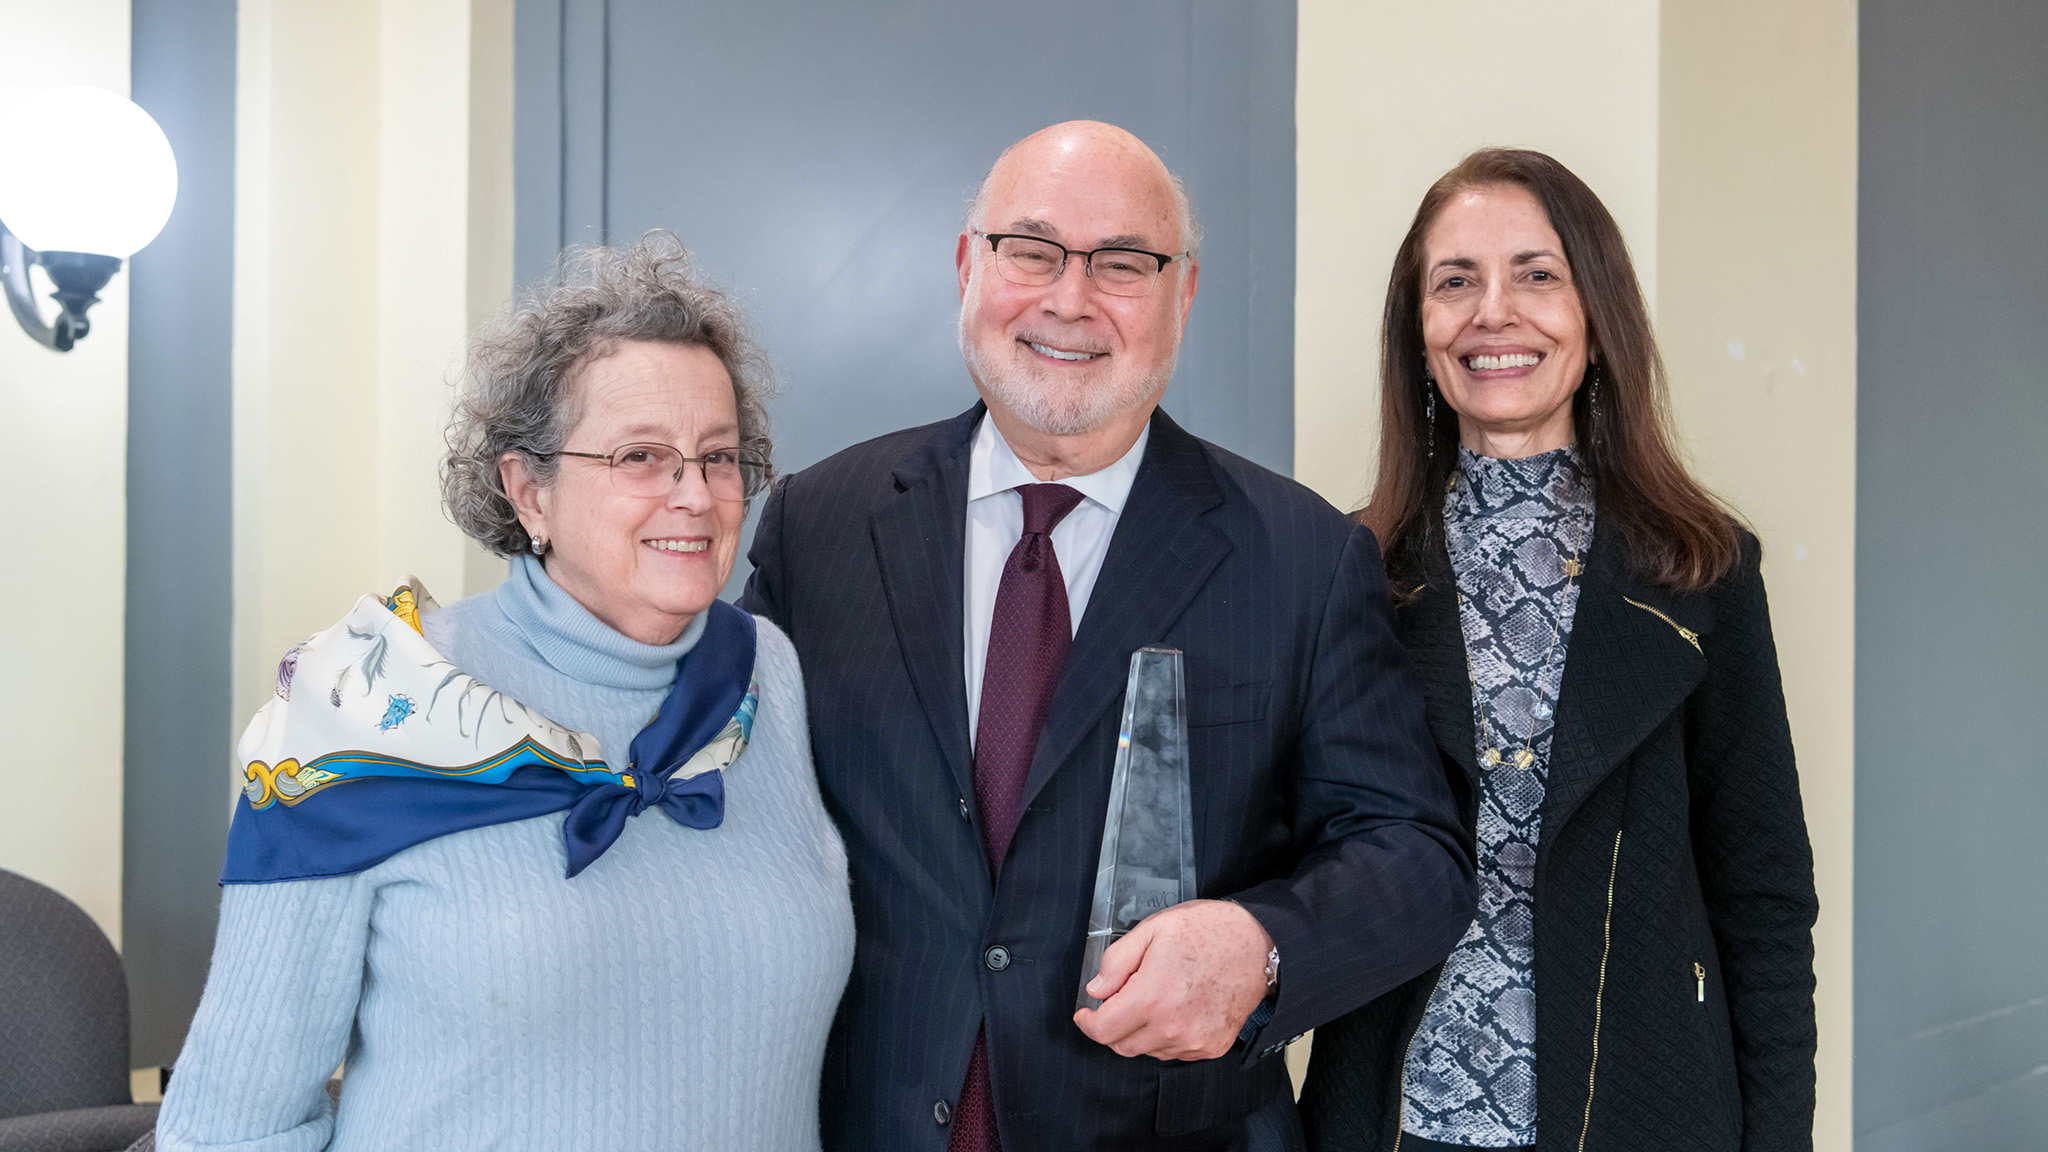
{"x":1164,"y":974}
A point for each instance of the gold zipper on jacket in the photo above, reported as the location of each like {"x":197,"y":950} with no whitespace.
{"x":1401,"y":1116}
{"x":1600,"y":992}
{"x":1699,"y":972}
{"x":1691,"y":637}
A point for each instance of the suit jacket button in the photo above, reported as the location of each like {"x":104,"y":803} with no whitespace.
{"x":963,"y":811}
{"x":942,"y":1112}
{"x":997,"y":958}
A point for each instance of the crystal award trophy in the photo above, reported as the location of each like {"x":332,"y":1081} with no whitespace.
{"x":1148,"y":837}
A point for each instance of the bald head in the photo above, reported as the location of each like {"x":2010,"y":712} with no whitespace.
{"x":1115,"y":161}
{"x":1071,"y":354}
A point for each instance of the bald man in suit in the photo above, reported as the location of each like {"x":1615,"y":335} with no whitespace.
{"x":965,"y":598}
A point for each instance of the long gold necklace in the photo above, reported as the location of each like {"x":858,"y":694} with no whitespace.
{"x":1523,"y":759}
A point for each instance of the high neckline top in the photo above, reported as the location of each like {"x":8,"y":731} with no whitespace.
{"x":1514,"y":529}
{"x":1536,"y":486}
{"x":574,"y":642}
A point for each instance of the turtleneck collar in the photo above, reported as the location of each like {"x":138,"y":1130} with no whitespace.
{"x":578,"y":644}
{"x":1539,"y":485}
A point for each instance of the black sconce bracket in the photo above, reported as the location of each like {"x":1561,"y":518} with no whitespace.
{"x":78,"y":277}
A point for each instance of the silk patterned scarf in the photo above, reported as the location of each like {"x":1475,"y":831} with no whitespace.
{"x":375,"y":742}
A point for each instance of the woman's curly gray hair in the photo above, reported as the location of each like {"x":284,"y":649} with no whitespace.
{"x":518,"y":389}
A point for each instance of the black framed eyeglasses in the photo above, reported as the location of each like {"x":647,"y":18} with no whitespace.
{"x":655,"y":469}
{"x":1035,"y":262}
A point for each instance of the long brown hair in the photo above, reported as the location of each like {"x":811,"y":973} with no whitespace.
{"x":1675,"y":533}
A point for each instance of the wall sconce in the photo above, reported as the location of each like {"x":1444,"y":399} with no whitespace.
{"x":89,"y":179}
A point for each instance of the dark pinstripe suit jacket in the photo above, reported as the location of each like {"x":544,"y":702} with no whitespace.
{"x":1321,"y":804}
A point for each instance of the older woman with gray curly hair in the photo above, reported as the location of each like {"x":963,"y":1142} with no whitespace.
{"x":436,"y":874}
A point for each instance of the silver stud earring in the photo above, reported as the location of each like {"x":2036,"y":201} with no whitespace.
{"x":539,"y":546}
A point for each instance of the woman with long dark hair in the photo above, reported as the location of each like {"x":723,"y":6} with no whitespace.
{"x":1590,"y":628}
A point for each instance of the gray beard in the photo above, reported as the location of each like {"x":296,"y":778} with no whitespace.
{"x":1044,"y":402}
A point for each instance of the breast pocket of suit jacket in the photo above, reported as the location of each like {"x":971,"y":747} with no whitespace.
{"x":1239,"y":812}
{"x":1216,"y":705}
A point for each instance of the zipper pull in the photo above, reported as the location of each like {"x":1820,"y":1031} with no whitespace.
{"x":1699,"y":971}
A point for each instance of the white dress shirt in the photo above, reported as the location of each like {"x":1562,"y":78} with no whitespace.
{"x":995,"y":522}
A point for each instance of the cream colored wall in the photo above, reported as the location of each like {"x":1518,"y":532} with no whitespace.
{"x":1757,"y":306}
{"x":373,"y":223}
{"x":1388,"y":96}
{"x":1722,"y":135}
{"x":65,"y":576}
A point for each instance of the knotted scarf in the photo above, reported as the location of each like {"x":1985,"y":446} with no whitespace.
{"x":375,"y":742}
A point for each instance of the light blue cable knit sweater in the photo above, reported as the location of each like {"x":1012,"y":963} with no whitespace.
{"x":675,"y":995}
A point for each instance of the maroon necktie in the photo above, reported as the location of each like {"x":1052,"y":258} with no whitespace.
{"x":1028,"y":638}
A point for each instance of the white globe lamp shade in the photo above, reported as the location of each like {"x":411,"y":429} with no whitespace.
{"x":84,"y":170}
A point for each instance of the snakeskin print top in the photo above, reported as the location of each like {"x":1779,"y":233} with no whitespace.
{"x":1512,"y":528}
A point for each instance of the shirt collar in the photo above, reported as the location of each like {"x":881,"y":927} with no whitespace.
{"x":993,"y":469}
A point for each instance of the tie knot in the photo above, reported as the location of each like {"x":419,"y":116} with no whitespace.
{"x":1045,"y":505}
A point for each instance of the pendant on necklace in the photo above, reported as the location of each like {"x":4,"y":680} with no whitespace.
{"x":1490,"y":757}
{"x":1571,"y":569}
{"x":1541,"y":711}
{"x":1524,"y":758}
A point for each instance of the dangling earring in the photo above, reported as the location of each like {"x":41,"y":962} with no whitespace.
{"x":540,"y":546}
{"x":1593,"y":400}
{"x":1429,"y":415}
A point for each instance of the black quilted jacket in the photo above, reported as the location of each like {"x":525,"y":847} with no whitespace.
{"x":1674,"y":884}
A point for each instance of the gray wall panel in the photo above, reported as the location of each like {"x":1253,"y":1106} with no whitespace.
{"x":537,"y":136}
{"x":585,"y":107}
{"x":178,"y":711}
{"x":818,"y":157}
{"x":1952,"y":544}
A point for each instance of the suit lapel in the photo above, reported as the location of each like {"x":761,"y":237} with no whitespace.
{"x":1435,"y":638}
{"x":1159,"y":558}
{"x":920,"y":544}
{"x":1625,"y":670}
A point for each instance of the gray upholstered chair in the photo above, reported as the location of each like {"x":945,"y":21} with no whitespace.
{"x":63,"y":1029}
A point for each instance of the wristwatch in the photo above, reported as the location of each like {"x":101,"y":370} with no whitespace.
{"x":1272,"y":959}
{"x":1262,"y":1013}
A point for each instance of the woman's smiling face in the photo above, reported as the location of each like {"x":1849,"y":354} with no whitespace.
{"x":643,"y":564}
{"x":1502,"y":326}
